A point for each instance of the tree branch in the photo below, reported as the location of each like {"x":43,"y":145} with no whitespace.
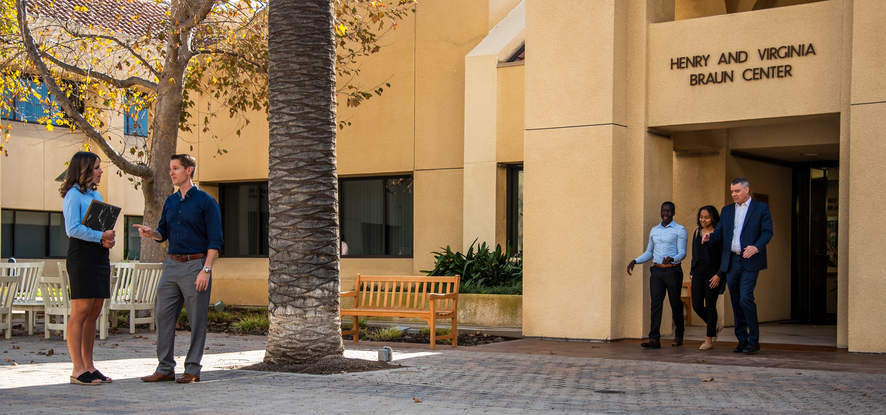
{"x":117,"y":41}
{"x":119,"y":83}
{"x":232,"y":54}
{"x":90,"y":131}
{"x":196,"y":14}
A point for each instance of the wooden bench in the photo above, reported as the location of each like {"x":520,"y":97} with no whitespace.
{"x":427,"y":298}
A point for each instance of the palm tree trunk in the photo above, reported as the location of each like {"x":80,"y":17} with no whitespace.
{"x":303,"y":282}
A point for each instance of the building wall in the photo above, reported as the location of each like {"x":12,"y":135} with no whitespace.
{"x":511,"y":103}
{"x":812,"y":88}
{"x":865,"y":232}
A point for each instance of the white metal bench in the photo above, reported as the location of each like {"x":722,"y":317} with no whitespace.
{"x":135,"y":289}
{"x":56,"y":302}
{"x":8,"y":287}
{"x":26,"y":294}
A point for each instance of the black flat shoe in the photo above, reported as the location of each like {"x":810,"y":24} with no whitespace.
{"x":652,"y":344}
{"x":677,"y":342}
{"x":98,"y":375}
{"x":85,"y":378}
{"x":740,"y":348}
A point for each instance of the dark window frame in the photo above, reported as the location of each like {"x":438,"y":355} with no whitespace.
{"x":47,"y":245}
{"x":127,"y":230}
{"x":221,"y":198}
{"x":384,"y":215}
{"x":513,"y":171}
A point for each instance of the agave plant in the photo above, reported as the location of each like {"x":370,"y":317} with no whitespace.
{"x":481,"y":268}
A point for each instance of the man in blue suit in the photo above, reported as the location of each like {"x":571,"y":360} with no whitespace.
{"x":745,"y":228}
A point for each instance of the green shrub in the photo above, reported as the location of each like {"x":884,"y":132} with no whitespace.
{"x":348,"y":322}
{"x":255,"y":323}
{"x":481,"y":268}
{"x":390,"y":333}
{"x":220,"y":316}
{"x":514,"y":290}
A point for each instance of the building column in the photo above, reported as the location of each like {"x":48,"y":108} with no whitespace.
{"x":646,"y":171}
{"x":844,"y":182}
{"x":594,"y":177}
{"x":480,"y":176}
{"x":867,"y":121}
{"x":480,"y":133}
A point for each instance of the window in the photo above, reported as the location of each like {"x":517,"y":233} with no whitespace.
{"x":244,"y":210}
{"x":376,"y":216}
{"x":132,"y":247}
{"x":515,"y":207}
{"x":33,"y":234}
{"x":39,"y":104}
{"x":135,"y":121}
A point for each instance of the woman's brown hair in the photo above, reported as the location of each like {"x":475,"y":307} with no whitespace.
{"x":79,"y":172}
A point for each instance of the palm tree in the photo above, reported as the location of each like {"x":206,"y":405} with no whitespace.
{"x":303,"y":284}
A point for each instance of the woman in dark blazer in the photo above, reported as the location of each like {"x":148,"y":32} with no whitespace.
{"x":706,"y":282}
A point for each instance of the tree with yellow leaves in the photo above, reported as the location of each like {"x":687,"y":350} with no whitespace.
{"x":69,"y":63}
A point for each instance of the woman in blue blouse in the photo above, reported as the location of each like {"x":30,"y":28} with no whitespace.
{"x":88,"y":266}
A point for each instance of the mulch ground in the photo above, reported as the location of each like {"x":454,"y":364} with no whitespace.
{"x":464,"y":339}
{"x":328,"y":365}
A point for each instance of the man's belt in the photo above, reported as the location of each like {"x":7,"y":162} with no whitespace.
{"x":665,"y":265}
{"x":187,"y":257}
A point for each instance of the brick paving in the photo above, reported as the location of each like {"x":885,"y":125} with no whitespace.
{"x":500,"y":378}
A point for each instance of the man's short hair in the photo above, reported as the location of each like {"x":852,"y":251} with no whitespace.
{"x":671,"y":204}
{"x":742,"y":181}
{"x":186,"y":160}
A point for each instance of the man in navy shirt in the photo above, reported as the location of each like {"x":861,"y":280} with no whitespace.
{"x":191,"y":221}
{"x":667,"y":247}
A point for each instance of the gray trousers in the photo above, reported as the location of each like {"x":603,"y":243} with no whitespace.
{"x":177,"y":288}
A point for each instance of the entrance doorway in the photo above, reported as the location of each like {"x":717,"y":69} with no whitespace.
{"x":815,"y":210}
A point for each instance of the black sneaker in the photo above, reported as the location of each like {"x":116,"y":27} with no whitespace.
{"x":651,"y":344}
{"x":751,"y":349}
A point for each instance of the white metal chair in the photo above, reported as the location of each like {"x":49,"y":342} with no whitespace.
{"x":8,"y":287}
{"x":119,"y":270}
{"x":26,"y":294}
{"x":56,"y":302}
{"x":133,"y":291}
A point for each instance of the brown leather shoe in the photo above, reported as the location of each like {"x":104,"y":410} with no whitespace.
{"x":158,"y":377}
{"x":187,"y":378}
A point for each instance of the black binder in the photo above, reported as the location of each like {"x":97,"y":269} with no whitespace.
{"x":101,"y":216}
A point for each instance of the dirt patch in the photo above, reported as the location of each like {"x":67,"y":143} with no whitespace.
{"x":329,"y":365}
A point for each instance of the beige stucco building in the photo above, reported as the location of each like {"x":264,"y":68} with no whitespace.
{"x":561,"y":126}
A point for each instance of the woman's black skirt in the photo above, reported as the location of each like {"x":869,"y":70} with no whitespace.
{"x":89,"y":269}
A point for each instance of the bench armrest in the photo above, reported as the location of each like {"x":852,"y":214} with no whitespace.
{"x":443,"y":296}
{"x":347,"y":294}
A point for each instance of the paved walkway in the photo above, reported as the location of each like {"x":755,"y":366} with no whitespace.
{"x":524,"y":376}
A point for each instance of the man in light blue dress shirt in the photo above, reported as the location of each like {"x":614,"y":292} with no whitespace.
{"x":667,"y":247}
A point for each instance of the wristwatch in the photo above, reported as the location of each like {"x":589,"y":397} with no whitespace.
{"x":207,"y":269}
